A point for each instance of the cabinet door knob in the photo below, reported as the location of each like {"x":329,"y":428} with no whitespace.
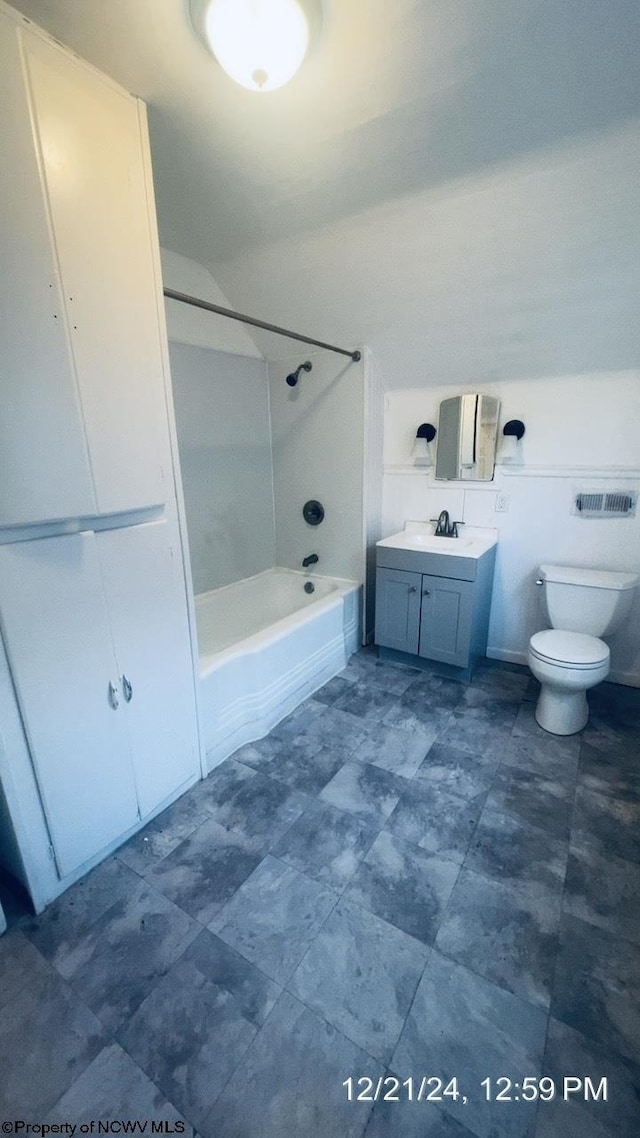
{"x":113,"y":696}
{"x":426,"y":592}
{"x":127,"y":689}
{"x":413,"y":588}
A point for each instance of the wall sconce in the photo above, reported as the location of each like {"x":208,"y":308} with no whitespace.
{"x":427,"y":431}
{"x":512,"y":433}
{"x":514,"y":427}
{"x":425,"y":435}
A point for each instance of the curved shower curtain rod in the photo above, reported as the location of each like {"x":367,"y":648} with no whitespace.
{"x":171,"y":294}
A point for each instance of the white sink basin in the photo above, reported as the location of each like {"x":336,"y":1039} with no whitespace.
{"x":421,"y":538}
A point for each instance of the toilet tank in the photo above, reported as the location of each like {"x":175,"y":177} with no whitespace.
{"x":595,"y":601}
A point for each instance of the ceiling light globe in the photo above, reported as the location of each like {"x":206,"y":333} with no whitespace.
{"x":259,"y":43}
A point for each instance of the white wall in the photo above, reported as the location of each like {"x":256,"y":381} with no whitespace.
{"x":527,"y":268}
{"x":189,"y":325}
{"x":521,"y":279}
{"x":581,"y":433}
{"x":318,"y":445}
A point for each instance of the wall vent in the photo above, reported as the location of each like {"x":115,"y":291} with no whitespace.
{"x":602,"y":504}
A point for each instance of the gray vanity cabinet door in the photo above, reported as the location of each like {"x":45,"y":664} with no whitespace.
{"x":398,"y":609}
{"x":445,"y":622}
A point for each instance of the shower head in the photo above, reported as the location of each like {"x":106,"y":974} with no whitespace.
{"x":292,"y":379}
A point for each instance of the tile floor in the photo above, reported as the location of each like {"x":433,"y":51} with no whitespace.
{"x":406,"y":878}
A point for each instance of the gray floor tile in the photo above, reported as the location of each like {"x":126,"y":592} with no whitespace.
{"x":47,"y":1038}
{"x":526,"y":724}
{"x":291,"y":1082}
{"x":366,"y":790}
{"x":605,"y":733}
{"x":203,"y":873}
{"x":604,"y":891}
{"x":113,"y":1088}
{"x":532,"y":691}
{"x":254,"y":993}
{"x":257,"y":755}
{"x":122,"y":956}
{"x":366,"y":701}
{"x":306,"y":766}
{"x":404,"y":885}
{"x":462,"y":1025}
{"x":597,"y":987}
{"x":457,"y":771}
{"x":274,"y":916}
{"x":198,"y":1000}
{"x":550,"y":757}
{"x":617,"y":703}
{"x":222,"y":783}
{"x":61,"y":928}
{"x":412,"y":1119}
{"x":360,"y":974}
{"x":481,"y":730}
{"x":326,"y":843}
{"x":165,"y":832}
{"x":262,"y":810}
{"x":437,"y":691}
{"x":336,"y":729}
{"x":299,"y":719}
{"x":570,"y":1053}
{"x":542,"y":802}
{"x":393,"y":678}
{"x":508,"y":934}
{"x":413,"y":711}
{"x":512,"y":851}
{"x":608,"y":824}
{"x":20,"y":965}
{"x":435,"y":820}
{"x":498,"y":683}
{"x":613,"y":771}
{"x":334,"y":689}
{"x":393,"y":749}
{"x":189,"y":1035}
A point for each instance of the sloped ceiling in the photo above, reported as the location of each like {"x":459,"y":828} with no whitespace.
{"x":397,"y":98}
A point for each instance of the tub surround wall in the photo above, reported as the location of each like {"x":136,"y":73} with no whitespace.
{"x":222,"y":411}
{"x":580,"y":434}
{"x":318,"y":452}
{"x":222,"y":416}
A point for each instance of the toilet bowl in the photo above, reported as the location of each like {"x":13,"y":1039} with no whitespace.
{"x":566,"y":664}
{"x":582,"y":605}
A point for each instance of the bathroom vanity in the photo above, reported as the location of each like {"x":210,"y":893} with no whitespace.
{"x":433,"y":597}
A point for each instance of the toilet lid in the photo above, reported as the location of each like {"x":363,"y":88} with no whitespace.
{"x":569,"y":648}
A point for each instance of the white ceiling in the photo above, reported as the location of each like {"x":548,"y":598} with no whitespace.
{"x":398,"y":96}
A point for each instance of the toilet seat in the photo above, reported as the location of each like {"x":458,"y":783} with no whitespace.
{"x":569,"y":649}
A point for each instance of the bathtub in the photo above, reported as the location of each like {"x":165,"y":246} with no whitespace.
{"x":265,"y":645}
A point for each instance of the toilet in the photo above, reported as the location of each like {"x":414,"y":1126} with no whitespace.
{"x":583,"y":605}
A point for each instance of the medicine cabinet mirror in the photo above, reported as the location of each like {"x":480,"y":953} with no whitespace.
{"x":467,"y":429}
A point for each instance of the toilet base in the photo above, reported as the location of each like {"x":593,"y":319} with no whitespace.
{"x":561,"y":712}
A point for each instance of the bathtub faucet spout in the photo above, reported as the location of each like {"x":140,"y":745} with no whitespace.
{"x":310,"y":560}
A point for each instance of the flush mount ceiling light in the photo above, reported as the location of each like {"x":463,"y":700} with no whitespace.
{"x":259,"y":43}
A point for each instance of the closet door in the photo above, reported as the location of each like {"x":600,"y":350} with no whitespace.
{"x":44,"y":465}
{"x":148,"y":614}
{"x":56,"y":629}
{"x":89,"y":136}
